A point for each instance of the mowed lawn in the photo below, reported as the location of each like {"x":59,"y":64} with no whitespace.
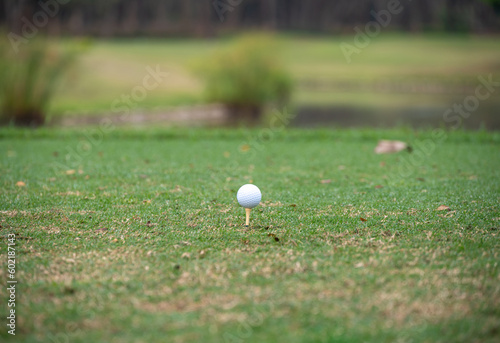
{"x":138,"y":237}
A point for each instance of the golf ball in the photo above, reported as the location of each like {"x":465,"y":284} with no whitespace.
{"x":249,"y":196}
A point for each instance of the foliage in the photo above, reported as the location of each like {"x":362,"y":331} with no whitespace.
{"x":194,"y":18}
{"x":30,"y":78}
{"x":248,"y":73}
{"x":494,"y":3}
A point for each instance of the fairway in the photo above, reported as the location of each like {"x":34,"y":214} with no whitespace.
{"x":138,"y":237}
{"x":392,"y":73}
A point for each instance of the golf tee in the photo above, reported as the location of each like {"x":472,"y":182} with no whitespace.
{"x":247,"y":222}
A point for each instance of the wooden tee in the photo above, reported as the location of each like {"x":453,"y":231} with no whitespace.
{"x":247,"y":222}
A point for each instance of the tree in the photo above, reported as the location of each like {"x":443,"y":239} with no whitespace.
{"x":246,"y":77}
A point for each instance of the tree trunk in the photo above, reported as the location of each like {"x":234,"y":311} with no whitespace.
{"x":244,"y":114}
{"x":31,"y":118}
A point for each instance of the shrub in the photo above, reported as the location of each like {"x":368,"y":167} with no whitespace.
{"x":29,"y":79}
{"x":247,"y":76}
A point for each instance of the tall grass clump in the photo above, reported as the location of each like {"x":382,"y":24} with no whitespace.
{"x":247,"y":76}
{"x":29,"y":79}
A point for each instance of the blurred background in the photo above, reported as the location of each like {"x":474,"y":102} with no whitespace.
{"x":346,"y":63}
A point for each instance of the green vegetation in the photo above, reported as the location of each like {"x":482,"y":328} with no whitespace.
{"x":29,"y":78}
{"x":247,"y":76}
{"x":393,"y":72}
{"x":138,"y":236}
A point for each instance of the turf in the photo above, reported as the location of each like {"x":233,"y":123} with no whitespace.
{"x":137,"y":237}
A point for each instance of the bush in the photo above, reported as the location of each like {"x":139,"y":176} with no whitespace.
{"x":246,"y":77}
{"x":29,"y":79}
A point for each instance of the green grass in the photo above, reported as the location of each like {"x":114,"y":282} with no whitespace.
{"x":114,"y":67}
{"x":141,"y":239}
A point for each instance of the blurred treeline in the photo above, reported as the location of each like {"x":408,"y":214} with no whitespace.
{"x":205,"y":18}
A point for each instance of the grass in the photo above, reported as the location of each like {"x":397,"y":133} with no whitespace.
{"x":114,"y":67}
{"x":141,"y":239}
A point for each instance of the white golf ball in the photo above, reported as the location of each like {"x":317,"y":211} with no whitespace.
{"x":249,"y":196}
